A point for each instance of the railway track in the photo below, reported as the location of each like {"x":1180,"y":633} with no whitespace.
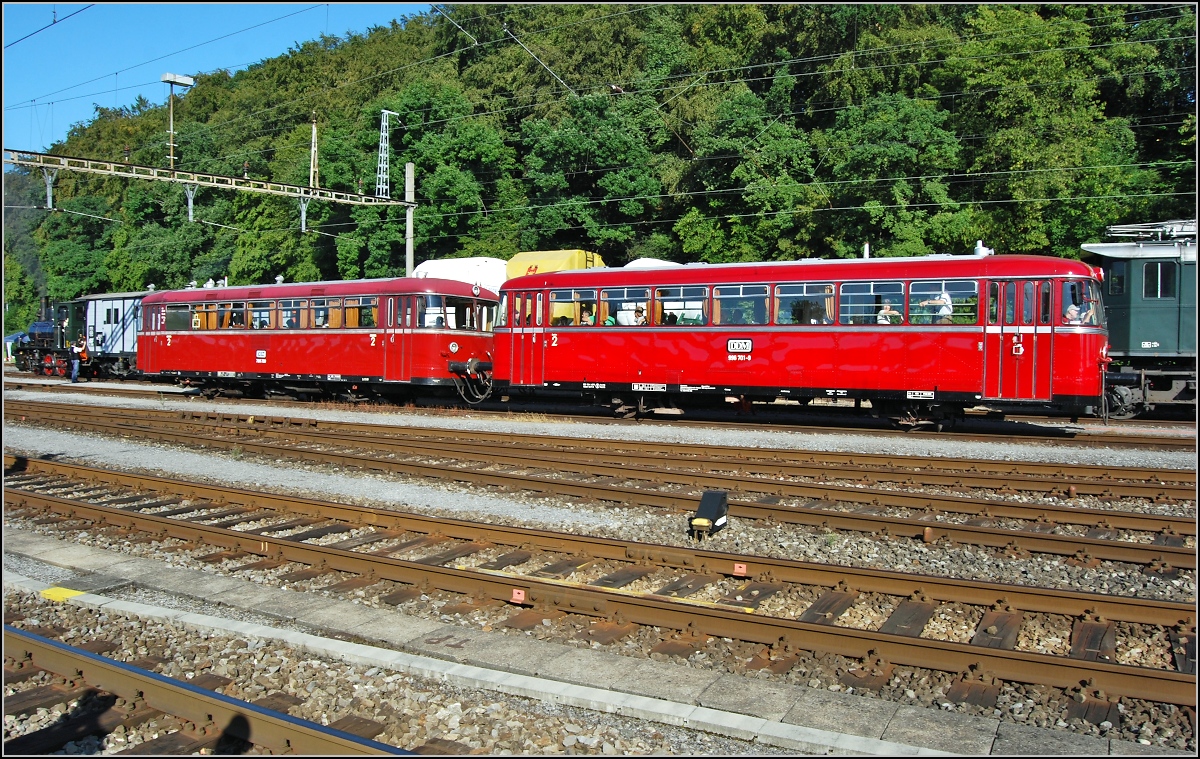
{"x":190,"y":716}
{"x":763,"y":485}
{"x":618,"y":586}
{"x":1026,"y":430}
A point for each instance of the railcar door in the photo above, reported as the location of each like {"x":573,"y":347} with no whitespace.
{"x":1017,"y":341}
{"x":528,"y":332}
{"x":397,"y":356}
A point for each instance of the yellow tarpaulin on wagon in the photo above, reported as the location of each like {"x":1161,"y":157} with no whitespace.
{"x":542,"y":261}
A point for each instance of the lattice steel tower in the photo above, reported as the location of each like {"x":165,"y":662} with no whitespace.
{"x":381,"y":176}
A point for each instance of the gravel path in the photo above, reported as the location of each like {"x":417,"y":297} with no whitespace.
{"x":783,"y":541}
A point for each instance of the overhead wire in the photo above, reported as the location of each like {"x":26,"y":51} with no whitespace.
{"x":52,"y":23}
{"x":476,"y":115}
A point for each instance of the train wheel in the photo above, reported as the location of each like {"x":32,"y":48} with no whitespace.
{"x":52,"y":365}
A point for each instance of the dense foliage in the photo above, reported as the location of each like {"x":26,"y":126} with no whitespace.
{"x":713,"y":133}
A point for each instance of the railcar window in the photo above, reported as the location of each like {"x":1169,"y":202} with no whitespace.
{"x":262,"y":314}
{"x":204,"y":316}
{"x":1027,"y":303}
{"x":1117,"y":276}
{"x":327,"y":312}
{"x":1081,"y":303}
{"x":871,"y":303}
{"x":431,"y":311}
{"x":526,"y":310}
{"x":619,"y":305}
{"x":674,"y":306}
{"x":740,"y":304}
{"x":963,"y":306}
{"x":179,"y":317}
{"x":502,"y":321}
{"x":231,"y":316}
{"x":294,"y":314}
{"x":808,"y":303}
{"x":362,"y":312}
{"x":485,"y":315}
{"x":1158,"y":279}
{"x":993,"y":315}
{"x":463,"y":314}
{"x":572,"y":308}
{"x":1044,"y":292}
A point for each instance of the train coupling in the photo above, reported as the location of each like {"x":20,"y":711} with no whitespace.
{"x":470,"y":368}
{"x":711,"y":515}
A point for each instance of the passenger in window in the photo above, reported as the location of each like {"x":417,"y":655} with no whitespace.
{"x":672,"y":318}
{"x":586,"y":317}
{"x":1072,"y":316}
{"x":610,"y":320}
{"x":639,"y":316}
{"x":440,"y":323}
{"x":886,"y":313}
{"x":943,"y":308}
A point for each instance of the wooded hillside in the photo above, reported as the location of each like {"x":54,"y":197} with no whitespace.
{"x":687,"y":132}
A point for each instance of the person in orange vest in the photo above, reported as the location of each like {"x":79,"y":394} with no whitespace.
{"x":78,"y":352}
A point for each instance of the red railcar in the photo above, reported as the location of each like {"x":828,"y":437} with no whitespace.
{"x":920,"y":338}
{"x":353,"y":340}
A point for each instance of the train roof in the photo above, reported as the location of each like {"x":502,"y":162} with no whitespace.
{"x":1184,"y":250}
{"x":115,"y":296}
{"x":329,"y":289}
{"x":935,"y":266}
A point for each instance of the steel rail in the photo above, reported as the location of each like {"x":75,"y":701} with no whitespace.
{"x":1049,"y":435}
{"x":919,"y":528}
{"x":886,"y":582}
{"x":1102,"y":480}
{"x":420,"y":443}
{"x":208,"y":710}
{"x":740,"y":624}
{"x":682,"y":457}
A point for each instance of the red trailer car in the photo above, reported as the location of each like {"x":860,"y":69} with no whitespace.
{"x":920,"y":338}
{"x":354,"y":340}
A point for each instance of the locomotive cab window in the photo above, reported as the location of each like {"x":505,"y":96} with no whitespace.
{"x":1118,"y":275}
{"x":1158,"y":280}
{"x":740,"y":304}
{"x":674,"y":306}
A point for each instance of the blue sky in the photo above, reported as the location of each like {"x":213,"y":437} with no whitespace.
{"x":110,"y":53}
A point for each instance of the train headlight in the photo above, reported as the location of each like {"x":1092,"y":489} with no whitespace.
{"x":454,"y":347}
{"x":711,"y":515}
